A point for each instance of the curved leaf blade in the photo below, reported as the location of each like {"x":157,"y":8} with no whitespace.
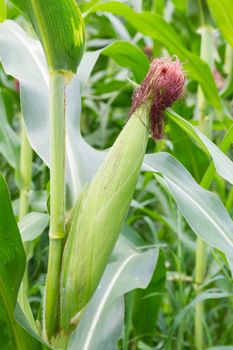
{"x":32,"y":225}
{"x":9,"y":143}
{"x":202,"y":209}
{"x":214,"y":293}
{"x":12,"y":267}
{"x":130,"y":269}
{"x":22,"y":58}
{"x":128,"y":55}
{"x":223,"y":164}
{"x":147,"y":303}
{"x":223,"y":14}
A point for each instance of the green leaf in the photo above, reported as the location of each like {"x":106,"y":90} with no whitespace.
{"x":155,"y":26}
{"x":123,"y":52}
{"x":33,"y":225}
{"x":23,"y":58}
{"x":3,"y":10}
{"x":187,"y":127}
{"x":223,"y":164}
{"x":28,"y":65}
{"x":147,"y":303}
{"x":128,"y":55}
{"x":202,"y":209}
{"x":130,"y":268}
{"x":213,"y":293}
{"x":59,"y":26}
{"x":222,"y":12}
{"x":12,"y":265}
{"x":23,"y":321}
{"x":194,"y":159}
{"x":9,"y":142}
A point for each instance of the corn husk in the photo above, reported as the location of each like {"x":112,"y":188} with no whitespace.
{"x":99,"y":215}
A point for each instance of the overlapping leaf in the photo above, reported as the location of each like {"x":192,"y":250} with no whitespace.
{"x":223,"y":13}
{"x":156,"y":27}
{"x":223,"y":164}
{"x":202,"y":209}
{"x":23,"y":58}
{"x":9,"y":143}
{"x":13,"y":262}
{"x":32,"y":225}
{"x":101,"y":324}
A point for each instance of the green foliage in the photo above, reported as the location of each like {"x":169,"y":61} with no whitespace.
{"x":222,"y":13}
{"x":156,"y":249}
{"x":9,"y":145}
{"x":157,"y":28}
{"x":3,"y":10}
{"x":146,"y":304}
{"x":60,"y":28}
{"x":130,"y":269}
{"x":12,"y":267}
{"x":203,"y":211}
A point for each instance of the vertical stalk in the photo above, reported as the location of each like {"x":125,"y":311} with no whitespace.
{"x":200,"y":269}
{"x":199,"y":278}
{"x":25,"y":171}
{"x":228,"y":67}
{"x":57,"y":201}
{"x":25,"y":168}
{"x":180,"y":270}
{"x":228,"y":64}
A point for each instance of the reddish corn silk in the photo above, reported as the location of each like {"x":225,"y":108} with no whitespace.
{"x":163,"y":85}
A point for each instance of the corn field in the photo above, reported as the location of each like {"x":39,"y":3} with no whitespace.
{"x":116,"y":175}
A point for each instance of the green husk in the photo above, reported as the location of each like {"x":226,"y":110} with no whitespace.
{"x":99,"y":216}
{"x":60,"y":28}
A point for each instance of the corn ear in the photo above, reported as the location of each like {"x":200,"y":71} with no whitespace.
{"x":102,"y":208}
{"x":100,"y":214}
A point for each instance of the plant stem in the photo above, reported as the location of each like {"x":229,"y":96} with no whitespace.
{"x":25,"y":169}
{"x":199,"y":277}
{"x":57,"y":201}
{"x":228,"y":65}
{"x":206,"y":55}
{"x":202,"y":19}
